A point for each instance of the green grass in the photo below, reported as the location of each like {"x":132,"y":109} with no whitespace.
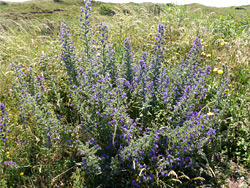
{"x":28,"y":30}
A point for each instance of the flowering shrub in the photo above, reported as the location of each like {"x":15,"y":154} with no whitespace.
{"x":134,"y":121}
{"x":3,"y":125}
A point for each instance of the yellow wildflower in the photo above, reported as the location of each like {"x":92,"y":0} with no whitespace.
{"x":215,"y":69}
{"x":201,"y":40}
{"x":21,"y":174}
{"x":137,"y":179}
{"x":237,"y":93}
{"x":203,"y":53}
{"x":151,"y":171}
{"x":226,"y":90}
{"x":8,"y":154}
{"x":220,"y":71}
{"x":210,"y":113}
{"x":222,"y":43}
{"x":230,"y":85}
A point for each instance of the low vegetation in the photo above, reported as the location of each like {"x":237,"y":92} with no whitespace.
{"x":124,"y":95}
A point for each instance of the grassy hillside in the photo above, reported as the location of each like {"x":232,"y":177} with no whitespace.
{"x":31,"y":30}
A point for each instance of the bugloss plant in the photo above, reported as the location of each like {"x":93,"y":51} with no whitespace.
{"x":4,"y":125}
{"x":39,"y":100}
{"x":4,"y":142}
{"x":135,"y":121}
